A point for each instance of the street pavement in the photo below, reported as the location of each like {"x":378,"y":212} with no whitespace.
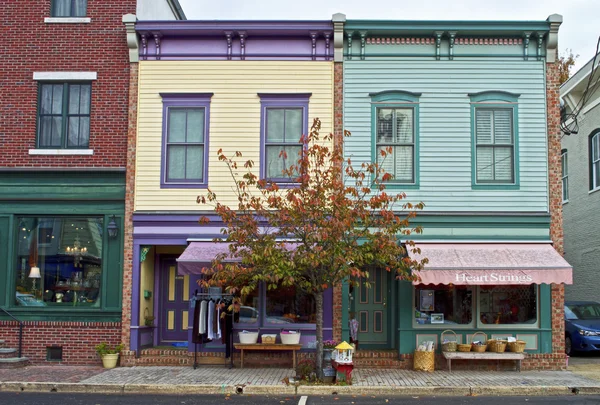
{"x":583,"y":377}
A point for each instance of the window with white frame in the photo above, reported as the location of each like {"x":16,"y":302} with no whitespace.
{"x":395,"y":133}
{"x":565,"y":175}
{"x":595,"y":161}
{"x":495,"y":152}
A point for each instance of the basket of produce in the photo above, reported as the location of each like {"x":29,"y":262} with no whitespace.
{"x":496,"y":345}
{"x":449,"y":345}
{"x":478,"y":344}
{"x":517,"y":347}
{"x":463,"y":347}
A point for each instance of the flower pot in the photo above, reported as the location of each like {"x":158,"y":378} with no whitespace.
{"x":110,"y":360}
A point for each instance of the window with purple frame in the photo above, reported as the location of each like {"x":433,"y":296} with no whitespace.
{"x":185,"y":140}
{"x":284,"y":119}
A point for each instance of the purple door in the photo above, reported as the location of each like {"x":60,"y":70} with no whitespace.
{"x":174,"y":304}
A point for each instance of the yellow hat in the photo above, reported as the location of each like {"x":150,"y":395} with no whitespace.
{"x":343,"y":346}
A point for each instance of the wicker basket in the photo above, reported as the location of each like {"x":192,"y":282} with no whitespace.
{"x":479,"y":348}
{"x":268,"y":339}
{"x":463,"y":348}
{"x":451,"y":345}
{"x":517,"y":347}
{"x":496,"y":345}
{"x":424,"y":361}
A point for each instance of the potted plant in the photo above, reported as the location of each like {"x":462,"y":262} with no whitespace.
{"x":328,"y":348}
{"x":149,"y":320}
{"x":109,"y":356}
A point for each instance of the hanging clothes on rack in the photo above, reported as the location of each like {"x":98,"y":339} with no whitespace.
{"x":209,"y":320}
{"x":196,"y":324}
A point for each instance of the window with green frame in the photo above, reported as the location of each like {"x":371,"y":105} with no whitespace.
{"x":64,"y":115}
{"x":69,"y":8}
{"x":395,"y":118}
{"x":495,"y":139}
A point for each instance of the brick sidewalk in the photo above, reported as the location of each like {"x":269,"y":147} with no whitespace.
{"x":58,"y":373}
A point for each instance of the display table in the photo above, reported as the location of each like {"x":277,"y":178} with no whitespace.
{"x":267,"y":346}
{"x":449,"y":356}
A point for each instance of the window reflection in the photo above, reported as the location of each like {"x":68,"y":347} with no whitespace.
{"x":59,"y":261}
{"x":290,"y":305}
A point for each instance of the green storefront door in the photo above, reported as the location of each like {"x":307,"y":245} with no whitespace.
{"x":372,"y":310}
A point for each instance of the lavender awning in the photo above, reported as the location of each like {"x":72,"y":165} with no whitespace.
{"x":492,"y":264}
{"x":198,"y":255}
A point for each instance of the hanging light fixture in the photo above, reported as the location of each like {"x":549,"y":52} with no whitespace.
{"x":76,"y":251}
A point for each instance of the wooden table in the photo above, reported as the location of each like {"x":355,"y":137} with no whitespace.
{"x":483,"y":356}
{"x":267,"y":346}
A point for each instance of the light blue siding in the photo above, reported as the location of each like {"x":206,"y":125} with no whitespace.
{"x":445,"y":126}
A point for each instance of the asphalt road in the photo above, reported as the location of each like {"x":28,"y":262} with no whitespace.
{"x":134,"y":399}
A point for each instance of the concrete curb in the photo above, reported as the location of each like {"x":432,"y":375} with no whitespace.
{"x":459,"y":391}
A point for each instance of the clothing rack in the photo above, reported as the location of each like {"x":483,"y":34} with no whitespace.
{"x":214,"y":295}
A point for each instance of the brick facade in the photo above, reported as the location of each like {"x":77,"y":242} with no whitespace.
{"x":77,"y":339}
{"x":129,"y":204}
{"x":31,"y":45}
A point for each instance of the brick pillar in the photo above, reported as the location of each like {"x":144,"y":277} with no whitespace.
{"x":338,"y":138}
{"x":555,"y":200}
{"x":129,"y":200}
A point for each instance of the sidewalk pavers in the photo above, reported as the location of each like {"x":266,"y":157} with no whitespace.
{"x":221,"y":380}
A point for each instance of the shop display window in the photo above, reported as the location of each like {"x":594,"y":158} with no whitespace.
{"x":290,"y":305}
{"x":507,"y":305}
{"x":443,"y":304}
{"x":249,"y":309}
{"x":59,"y":261}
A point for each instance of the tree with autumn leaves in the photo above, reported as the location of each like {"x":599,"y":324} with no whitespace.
{"x":331,"y":223}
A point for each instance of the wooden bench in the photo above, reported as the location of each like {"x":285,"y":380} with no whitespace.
{"x":267,"y":346}
{"x":483,"y":356}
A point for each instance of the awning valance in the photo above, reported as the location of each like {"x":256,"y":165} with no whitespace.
{"x":492,"y":264}
{"x":198,"y":255}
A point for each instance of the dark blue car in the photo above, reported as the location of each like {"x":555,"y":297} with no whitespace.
{"x":582,"y":326}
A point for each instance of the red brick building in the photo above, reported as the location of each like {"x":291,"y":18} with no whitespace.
{"x":64,"y":114}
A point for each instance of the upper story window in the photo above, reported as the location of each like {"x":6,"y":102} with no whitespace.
{"x":284,"y":119}
{"x":185,"y":140}
{"x":564,"y":163}
{"x":495,"y":138}
{"x":64,"y":115}
{"x":395,"y":116}
{"x":595,"y":160}
{"x":69,"y":8}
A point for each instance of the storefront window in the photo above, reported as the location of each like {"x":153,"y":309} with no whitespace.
{"x":505,"y":305}
{"x":443,"y":304}
{"x":290,"y":305}
{"x":59,"y":261}
{"x":249,"y":309}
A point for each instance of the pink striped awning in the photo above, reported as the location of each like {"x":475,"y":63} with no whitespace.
{"x":492,"y":264}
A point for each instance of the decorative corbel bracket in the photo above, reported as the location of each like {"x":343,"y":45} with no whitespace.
{"x":452,"y":37}
{"x":338,"y":20}
{"x":555,"y":21}
{"x":313,"y":39}
{"x":350,"y":35}
{"x":540,"y":42}
{"x":144,"y":46}
{"x":229,"y":37}
{"x":327,"y":36}
{"x":438,"y":43}
{"x":157,"y":38}
{"x":363,"y":40}
{"x":526,"y":36}
{"x":243,"y":35}
{"x":132,"y":39}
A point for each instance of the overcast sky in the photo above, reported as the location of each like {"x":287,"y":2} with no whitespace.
{"x":579,"y":31}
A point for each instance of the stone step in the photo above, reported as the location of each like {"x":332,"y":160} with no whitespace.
{"x":14,"y":362}
{"x":7,"y":352}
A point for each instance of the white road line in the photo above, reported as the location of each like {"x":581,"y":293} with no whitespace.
{"x":302,"y":400}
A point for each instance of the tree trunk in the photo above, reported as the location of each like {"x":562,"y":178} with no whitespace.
{"x":319,"y":359}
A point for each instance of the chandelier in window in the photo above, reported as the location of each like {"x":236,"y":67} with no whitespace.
{"x":76,"y":251}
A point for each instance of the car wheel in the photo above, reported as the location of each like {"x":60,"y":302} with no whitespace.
{"x":568,"y":346}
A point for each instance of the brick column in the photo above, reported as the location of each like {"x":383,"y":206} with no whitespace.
{"x":129,"y":207}
{"x":338,"y":138}
{"x":555,"y":200}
